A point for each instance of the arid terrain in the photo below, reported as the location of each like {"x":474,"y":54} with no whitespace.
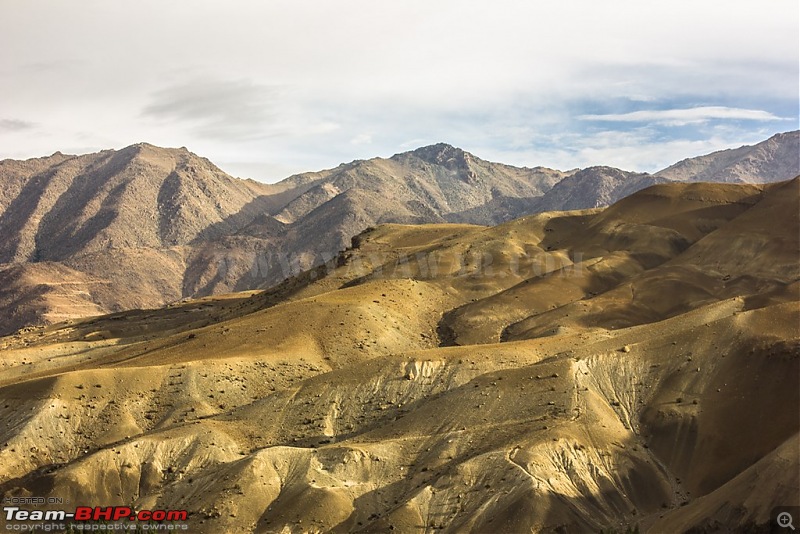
{"x":635,"y":366}
{"x":144,"y":226}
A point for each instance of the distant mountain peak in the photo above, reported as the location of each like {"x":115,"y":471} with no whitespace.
{"x":149,"y":148}
{"x":441,"y":153}
{"x":451,"y":158}
{"x":771,"y":160}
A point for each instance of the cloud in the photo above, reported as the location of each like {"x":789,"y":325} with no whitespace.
{"x":680,"y":117}
{"x":361,"y":139}
{"x":217,"y":109}
{"x":642,"y":149}
{"x":291,"y":88}
{"x":15,"y":125}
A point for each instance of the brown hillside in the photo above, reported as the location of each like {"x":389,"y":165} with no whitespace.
{"x":635,"y":366}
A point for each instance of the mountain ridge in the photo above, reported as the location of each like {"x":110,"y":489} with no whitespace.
{"x":777,"y":155}
{"x":117,"y":213}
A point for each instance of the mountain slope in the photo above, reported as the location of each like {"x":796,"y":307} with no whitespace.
{"x":141,"y":196}
{"x":592,"y":188}
{"x":123,"y":223}
{"x":584,"y":370}
{"x":772,"y":160}
{"x":158,"y":225}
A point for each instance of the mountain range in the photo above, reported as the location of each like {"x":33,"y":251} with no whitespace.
{"x":145,"y":226}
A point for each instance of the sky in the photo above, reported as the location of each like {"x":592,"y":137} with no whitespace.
{"x":266,"y":89}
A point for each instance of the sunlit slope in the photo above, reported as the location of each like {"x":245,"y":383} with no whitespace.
{"x":638,"y":365}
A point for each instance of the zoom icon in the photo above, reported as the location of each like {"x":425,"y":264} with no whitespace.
{"x":784,"y":519}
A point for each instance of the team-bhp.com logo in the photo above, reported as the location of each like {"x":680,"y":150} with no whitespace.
{"x":91,"y":518}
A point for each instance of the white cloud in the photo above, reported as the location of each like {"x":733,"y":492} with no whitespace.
{"x":639,"y":149}
{"x":680,"y":117}
{"x":217,"y":109}
{"x":362,"y":139}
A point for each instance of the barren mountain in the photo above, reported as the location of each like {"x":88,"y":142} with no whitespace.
{"x":145,"y":226}
{"x":593,"y":187}
{"x":113,"y":230}
{"x":634,"y":366}
{"x":141,"y":196}
{"x":772,"y":160}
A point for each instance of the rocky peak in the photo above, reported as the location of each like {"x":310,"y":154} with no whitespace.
{"x":449,"y":157}
{"x":441,"y":154}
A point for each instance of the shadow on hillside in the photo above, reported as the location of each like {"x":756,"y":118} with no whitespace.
{"x":261,"y":209}
{"x":60,"y":235}
{"x":14,"y":219}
